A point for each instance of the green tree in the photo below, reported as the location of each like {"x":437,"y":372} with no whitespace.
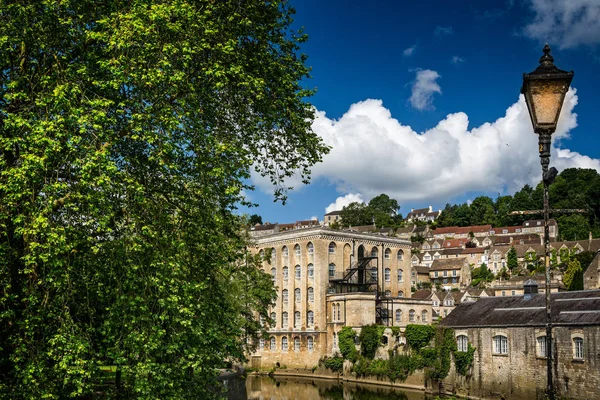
{"x":482,"y":274}
{"x":255,"y":219}
{"x":573,"y":276}
{"x":128,"y":130}
{"x":385,"y":210}
{"x":512,"y":261}
{"x":573,"y":227}
{"x":356,"y":214}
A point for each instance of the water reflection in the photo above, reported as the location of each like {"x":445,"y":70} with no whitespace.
{"x":293,"y":388}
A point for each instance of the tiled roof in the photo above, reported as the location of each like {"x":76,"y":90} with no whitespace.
{"x":474,"y":229}
{"x":449,"y":243}
{"x":446,"y":264}
{"x":421,"y":294}
{"x":333,"y":213}
{"x":444,"y":231}
{"x":421,"y":269}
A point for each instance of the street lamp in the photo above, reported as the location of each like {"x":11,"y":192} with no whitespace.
{"x":544,"y":91}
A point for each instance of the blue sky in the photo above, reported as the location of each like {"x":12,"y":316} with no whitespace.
{"x":420,"y":100}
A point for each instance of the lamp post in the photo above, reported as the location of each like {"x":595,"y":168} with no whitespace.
{"x":544,"y":91}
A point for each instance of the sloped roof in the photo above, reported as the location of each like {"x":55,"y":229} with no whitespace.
{"x":568,"y":308}
{"x":333,"y":213}
{"x":446,"y":264}
{"x":449,"y":243}
{"x":445,"y":230}
{"x":421,"y":269}
{"x":421,"y":294}
{"x":474,"y":229}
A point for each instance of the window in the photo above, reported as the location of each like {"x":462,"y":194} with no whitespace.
{"x":261,"y":320}
{"x":273,"y":254}
{"x":503,"y":293}
{"x":310,"y":249}
{"x":274,"y":318}
{"x":311,"y":294}
{"x":424,"y":316}
{"x":513,"y":293}
{"x":335,"y":340}
{"x":387,"y":274}
{"x":296,"y":344}
{"x":286,"y":273}
{"x":261,"y":344}
{"x":578,"y":348}
{"x":400,"y":255}
{"x":273,"y":343}
{"x":400,"y":293}
{"x":310,"y":318}
{"x":518,"y":230}
{"x":331,"y":270}
{"x":273,"y":273}
{"x":462,"y":343}
{"x":284,"y":343}
{"x":436,"y":303}
{"x":388,"y":293}
{"x":411,"y":315}
{"x":445,"y":280}
{"x":331,"y":248}
{"x":541,"y":346}
{"x":387,"y":254}
{"x":374,"y":252}
{"x":297,"y":295}
{"x":500,"y":344}
{"x":435,"y":274}
{"x":453,"y":272}
{"x":310,"y":343}
{"x":400,"y":275}
{"x":284,"y":319}
{"x":297,"y":250}
{"x":311,"y":270}
{"x":445,"y":273}
{"x":374,"y":275}
{"x":297,"y":271}
{"x":339,"y":315}
{"x":398,"y":315}
{"x":297,"y":321}
{"x":284,"y":295}
{"x":285,"y":252}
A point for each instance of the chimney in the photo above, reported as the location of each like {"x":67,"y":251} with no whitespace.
{"x":590,"y":242}
{"x":412,"y":209}
{"x":430,"y":209}
{"x":530,"y":287}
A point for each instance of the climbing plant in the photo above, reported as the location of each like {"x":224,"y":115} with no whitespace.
{"x":418,"y":336}
{"x":464,"y":359}
{"x":346,"y":343}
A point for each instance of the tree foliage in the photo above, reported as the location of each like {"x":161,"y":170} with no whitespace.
{"x":482,"y":274}
{"x":381,"y":211}
{"x":512,"y":261}
{"x":573,"y":276}
{"x":370,"y":338}
{"x":127,"y":132}
{"x":418,"y":336}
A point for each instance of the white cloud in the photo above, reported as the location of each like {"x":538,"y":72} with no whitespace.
{"x":409,"y":51}
{"x":343,"y":201}
{"x":568,"y":23}
{"x":457,"y":60}
{"x":314,"y":218}
{"x":443,"y":30}
{"x":423,"y":88}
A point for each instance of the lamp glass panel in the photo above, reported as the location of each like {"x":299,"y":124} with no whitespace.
{"x":546,"y":98}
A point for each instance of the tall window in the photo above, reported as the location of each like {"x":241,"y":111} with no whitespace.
{"x":273,"y":343}
{"x":286,"y":273}
{"x":310,"y":318}
{"x":374,"y":275}
{"x":332,"y":270}
{"x":411,"y":315}
{"x":297,"y":295}
{"x":310,"y":343}
{"x":400,"y":275}
{"x":273,"y":273}
{"x":387,"y":253}
{"x":374,"y":252}
{"x":462,"y":343}
{"x":285,"y":252}
{"x":388,"y":293}
{"x":335,"y":340}
{"x":400,"y":255}
{"x":332,"y":248}
{"x":297,"y":250}
{"x":261,"y":253}
{"x":311,"y":270}
{"x":284,"y":343}
{"x":400,"y":293}
{"x":284,"y":295}
{"x":541,"y":345}
{"x":296,"y":344}
{"x":454,"y":272}
{"x":424,"y":316}
{"x":339,"y":309}
{"x":500,"y":344}
{"x":297,"y":271}
{"x":310,"y":249}
{"x":274,"y":318}
{"x":284,"y":319}
{"x":578,"y":348}
{"x":387,"y":274}
{"x":261,"y":344}
{"x":311,"y":294}
{"x":297,"y":320}
{"x":398,"y":315}
{"x":273,"y":254}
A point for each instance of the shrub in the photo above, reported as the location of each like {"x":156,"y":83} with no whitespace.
{"x":463,"y":360}
{"x":370,"y":337}
{"x":346,"y":343}
{"x":336,"y":364}
{"x":418,"y":336}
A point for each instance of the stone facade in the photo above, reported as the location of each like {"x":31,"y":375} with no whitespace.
{"x":304,"y":263}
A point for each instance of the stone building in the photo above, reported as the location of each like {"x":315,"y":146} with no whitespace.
{"x":452,"y":273}
{"x":509,"y":337}
{"x":332,"y":217}
{"x":327,"y":279}
{"x":591,"y":277}
{"x":423,"y":214}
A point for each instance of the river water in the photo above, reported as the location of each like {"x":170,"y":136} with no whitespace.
{"x":294,"y":388}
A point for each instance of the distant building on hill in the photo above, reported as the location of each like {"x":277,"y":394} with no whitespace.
{"x":332,"y":217}
{"x":423,"y":214}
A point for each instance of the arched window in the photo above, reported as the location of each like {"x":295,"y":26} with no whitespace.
{"x":374,"y":252}
{"x":297,"y":271}
{"x":310,"y":249}
{"x":261,"y":253}
{"x":261,"y":344}
{"x":285,"y":252}
{"x":311,"y":294}
{"x":273,"y":273}
{"x":578,"y":348}
{"x":296,"y":343}
{"x":332,"y":248}
{"x":261,"y":320}
{"x":400,"y":255}
{"x":339,"y":310}
{"x":286,"y":273}
{"x":284,"y":295}
{"x":311,"y":270}
{"x":273,"y":343}
{"x":273,"y":253}
{"x":400,"y":293}
{"x":374,"y":274}
{"x":310,"y":318}
{"x":387,"y":253}
{"x":310,"y":343}
{"x":297,"y":295}
{"x":335,"y":340}
{"x":274,"y":318}
{"x":388,"y":293}
{"x":284,"y":319}
{"x":387,"y":274}
{"x":284,"y":343}
{"x":500,"y":344}
{"x":411,"y":315}
{"x":462,"y":343}
{"x":398,"y":315}
{"x":400,"y":275}
{"x":332,"y":270}
{"x":297,"y":250}
{"x":297,"y":320}
{"x":424,"y":316}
